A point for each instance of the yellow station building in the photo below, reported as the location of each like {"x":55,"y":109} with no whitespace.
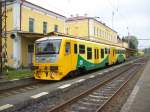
{"x":25,"y":22}
{"x":89,"y":27}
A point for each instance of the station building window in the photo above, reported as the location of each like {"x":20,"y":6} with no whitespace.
{"x":44,"y":27}
{"x":56,"y":28}
{"x":89,"y":53}
{"x":94,"y":30}
{"x":81,"y":49}
{"x":31,"y":25}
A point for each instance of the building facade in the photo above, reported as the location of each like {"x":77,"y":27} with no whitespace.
{"x":88,"y":27}
{"x":25,"y":22}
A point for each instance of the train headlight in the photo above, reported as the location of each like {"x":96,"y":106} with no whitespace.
{"x":53,"y":68}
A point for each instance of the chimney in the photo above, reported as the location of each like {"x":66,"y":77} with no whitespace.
{"x":77,"y":15}
{"x":71,"y":15}
{"x":85,"y":15}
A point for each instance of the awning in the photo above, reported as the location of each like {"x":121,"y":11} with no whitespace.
{"x":31,"y":35}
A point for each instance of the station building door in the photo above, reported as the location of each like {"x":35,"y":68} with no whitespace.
{"x":30,"y":54}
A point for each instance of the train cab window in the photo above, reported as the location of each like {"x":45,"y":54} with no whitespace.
{"x":102,"y":53}
{"x":89,"y":53}
{"x":75,"y":49}
{"x":105,"y":50}
{"x":81,"y":49}
{"x":67,"y":50}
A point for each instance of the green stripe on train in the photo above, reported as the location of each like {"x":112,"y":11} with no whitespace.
{"x":83,"y":63}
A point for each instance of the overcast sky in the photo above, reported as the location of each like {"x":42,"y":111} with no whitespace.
{"x":133,"y":15}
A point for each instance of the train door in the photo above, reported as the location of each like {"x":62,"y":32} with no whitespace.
{"x":114,"y":55}
{"x":111,"y":56}
{"x":74,"y":54}
{"x":96,"y":55}
{"x":68,"y":54}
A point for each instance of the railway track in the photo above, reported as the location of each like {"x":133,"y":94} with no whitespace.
{"x":30,"y":87}
{"x":95,"y":98}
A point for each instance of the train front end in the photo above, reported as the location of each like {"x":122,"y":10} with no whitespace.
{"x":46,"y":58}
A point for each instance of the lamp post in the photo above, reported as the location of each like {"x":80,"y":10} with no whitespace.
{"x":128,"y":37}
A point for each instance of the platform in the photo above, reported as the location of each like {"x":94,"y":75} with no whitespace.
{"x":139,"y":100}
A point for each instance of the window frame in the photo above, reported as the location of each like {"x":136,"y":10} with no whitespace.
{"x":102,"y":53}
{"x":55,"y":28}
{"x":89,"y":53}
{"x":69,"y":51}
{"x":82,"y":50}
{"x":75,"y":49}
{"x":31,"y":25}
{"x":45,"y":25}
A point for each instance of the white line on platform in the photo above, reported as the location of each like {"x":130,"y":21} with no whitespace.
{"x":64,"y":86}
{"x":80,"y":80}
{"x":112,"y":69}
{"x":14,"y":79}
{"x":91,"y":76}
{"x":105,"y":71}
{"x":100,"y":73}
{"x":39,"y":95}
{"x":130,"y":100}
{"x":5,"y":107}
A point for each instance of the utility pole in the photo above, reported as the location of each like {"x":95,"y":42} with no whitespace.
{"x":3,"y":35}
{"x":113,"y":19}
{"x":1,"y":65}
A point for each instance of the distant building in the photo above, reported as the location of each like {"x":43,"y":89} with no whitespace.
{"x":89,"y":27}
{"x":23,"y":20}
{"x":122,"y":43}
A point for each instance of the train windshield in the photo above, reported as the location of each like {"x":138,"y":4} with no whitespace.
{"x":50,"y":46}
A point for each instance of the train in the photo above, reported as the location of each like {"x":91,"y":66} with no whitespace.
{"x":57,"y":56}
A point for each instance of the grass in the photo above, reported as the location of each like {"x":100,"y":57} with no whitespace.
{"x":18,"y":74}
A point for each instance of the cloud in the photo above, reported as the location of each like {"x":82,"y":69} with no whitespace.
{"x":133,"y":14}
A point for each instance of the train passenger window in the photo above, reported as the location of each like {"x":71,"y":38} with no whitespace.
{"x":89,"y":53}
{"x":105,"y":50}
{"x":81,"y":49}
{"x":102,"y":53}
{"x":67,"y":48}
{"x":97,"y":54}
{"x":75,"y":49}
{"x":108,"y":51}
{"x":113,"y":52}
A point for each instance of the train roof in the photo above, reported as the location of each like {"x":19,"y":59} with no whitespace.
{"x":57,"y":35}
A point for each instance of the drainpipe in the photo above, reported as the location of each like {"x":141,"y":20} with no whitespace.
{"x":22,"y":1}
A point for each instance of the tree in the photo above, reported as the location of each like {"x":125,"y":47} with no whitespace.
{"x":147,"y":50}
{"x":132,"y":40}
